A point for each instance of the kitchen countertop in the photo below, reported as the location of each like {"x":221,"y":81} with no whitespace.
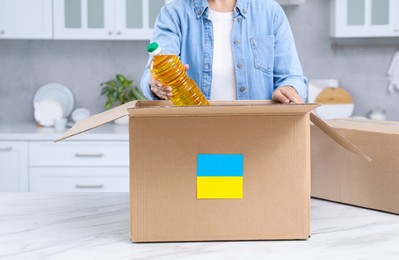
{"x":30,"y":132}
{"x":96,"y":226}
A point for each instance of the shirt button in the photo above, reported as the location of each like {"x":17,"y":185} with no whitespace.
{"x":239,"y":19}
{"x":237,"y":42}
{"x":240,"y":65}
{"x":199,"y":12}
{"x":242,"y":89}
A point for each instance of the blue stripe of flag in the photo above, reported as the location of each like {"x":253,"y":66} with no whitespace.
{"x":220,"y":165}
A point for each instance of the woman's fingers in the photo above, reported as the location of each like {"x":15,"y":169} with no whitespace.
{"x":279,"y":97}
{"x":291,"y":94}
{"x":162,"y":92}
{"x":286,"y":95}
{"x":159,"y":90}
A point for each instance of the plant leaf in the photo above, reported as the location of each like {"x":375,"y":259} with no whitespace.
{"x":112,"y":82}
{"x":129,"y":82}
{"x":104,"y":91}
{"x":108,"y":105}
{"x":119,"y":91}
{"x":120,"y":78}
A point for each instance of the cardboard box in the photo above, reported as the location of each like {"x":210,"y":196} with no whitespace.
{"x":174,"y":152}
{"x":340,"y":176}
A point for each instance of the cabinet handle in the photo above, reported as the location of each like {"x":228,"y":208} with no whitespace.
{"x":97,"y":155}
{"x":109,"y":33}
{"x":2,"y":31}
{"x":81,"y":186}
{"x":118,"y":33}
{"x":5,"y":149}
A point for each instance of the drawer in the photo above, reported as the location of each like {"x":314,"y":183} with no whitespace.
{"x":79,"y":179}
{"x":79,"y":154}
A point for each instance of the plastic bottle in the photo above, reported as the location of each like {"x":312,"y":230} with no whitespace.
{"x":168,"y":69}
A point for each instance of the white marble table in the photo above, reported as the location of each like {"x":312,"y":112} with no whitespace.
{"x":96,"y":226}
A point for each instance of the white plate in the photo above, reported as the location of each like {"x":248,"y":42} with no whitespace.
{"x":315,"y":86}
{"x":80,"y":114}
{"x":48,"y":110}
{"x":122,"y":120}
{"x":58,"y":92}
{"x":335,"y":111}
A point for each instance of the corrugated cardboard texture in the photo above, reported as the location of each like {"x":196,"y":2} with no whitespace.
{"x":276,"y":193}
{"x":387,"y":127}
{"x":97,"y":120}
{"x":165,"y":141}
{"x":339,"y":139}
{"x":247,"y":107}
{"x":341,"y":176}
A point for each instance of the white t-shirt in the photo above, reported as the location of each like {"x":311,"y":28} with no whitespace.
{"x":223,"y":74}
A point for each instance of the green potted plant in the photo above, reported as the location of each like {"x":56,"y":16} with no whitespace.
{"x":119,"y":91}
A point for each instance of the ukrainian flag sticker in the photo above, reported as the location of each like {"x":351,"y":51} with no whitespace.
{"x":220,"y":176}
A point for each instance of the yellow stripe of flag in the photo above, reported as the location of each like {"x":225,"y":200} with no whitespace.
{"x":219,"y":187}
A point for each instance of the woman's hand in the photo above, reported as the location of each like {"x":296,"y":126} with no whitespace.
{"x":163,"y":92}
{"x":159,"y":90}
{"x":286,"y":95}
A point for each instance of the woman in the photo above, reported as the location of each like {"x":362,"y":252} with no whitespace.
{"x":236,"y":49}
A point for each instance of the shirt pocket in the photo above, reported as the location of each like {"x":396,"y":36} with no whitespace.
{"x":263,"y":52}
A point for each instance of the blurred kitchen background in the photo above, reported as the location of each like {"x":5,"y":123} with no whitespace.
{"x":360,"y":64}
{"x":349,"y":44}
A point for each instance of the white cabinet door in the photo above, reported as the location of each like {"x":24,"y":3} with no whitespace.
{"x":364,"y":18}
{"x":79,"y":179}
{"x":76,"y":153}
{"x":105,"y":19}
{"x":135,"y":18}
{"x":26,"y":19}
{"x":13,"y":166}
{"x":84,"y":19}
{"x":78,"y":166}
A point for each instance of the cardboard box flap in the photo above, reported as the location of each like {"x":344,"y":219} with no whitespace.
{"x":97,"y":120}
{"x":219,"y":108}
{"x":157,"y":108}
{"x":338,"y":138}
{"x":366,"y":125}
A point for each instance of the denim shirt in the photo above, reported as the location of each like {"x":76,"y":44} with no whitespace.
{"x":264,"y":52}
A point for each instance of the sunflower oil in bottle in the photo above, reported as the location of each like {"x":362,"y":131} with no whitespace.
{"x":168,"y":69}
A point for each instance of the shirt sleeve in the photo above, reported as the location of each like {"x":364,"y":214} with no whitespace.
{"x":167,"y":34}
{"x":287,"y":68}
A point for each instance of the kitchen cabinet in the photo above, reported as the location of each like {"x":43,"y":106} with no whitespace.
{"x":105,"y":19}
{"x":79,"y":179}
{"x":95,"y":161}
{"x":13,"y":166}
{"x":76,"y":166}
{"x":26,"y":19}
{"x":364,"y":18}
{"x":83,"y":19}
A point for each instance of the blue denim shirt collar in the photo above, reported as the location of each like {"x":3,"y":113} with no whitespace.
{"x":241,"y":7}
